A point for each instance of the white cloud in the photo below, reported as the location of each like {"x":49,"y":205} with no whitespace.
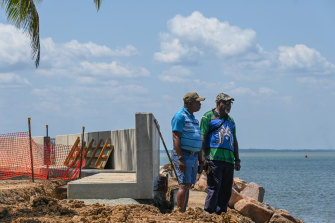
{"x":14,"y":47}
{"x":317,"y":81}
{"x":128,"y":51}
{"x":239,"y":91}
{"x":113,"y":69}
{"x":190,"y":35}
{"x":90,"y":49}
{"x":173,"y":51}
{"x":86,"y":50}
{"x":68,"y":59}
{"x":176,"y":74}
{"x":12,"y":80}
{"x":312,"y":80}
{"x":306,"y":59}
{"x":194,"y":38}
{"x":221,"y":36}
{"x":266,"y":91}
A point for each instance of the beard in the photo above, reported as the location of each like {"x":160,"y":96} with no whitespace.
{"x":227,"y":111}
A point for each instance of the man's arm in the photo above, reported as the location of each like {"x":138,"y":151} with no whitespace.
{"x":202,"y":157}
{"x":237,"y":156}
{"x":177,"y":147}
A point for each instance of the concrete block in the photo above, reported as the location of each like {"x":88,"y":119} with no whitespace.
{"x":124,"y":154}
{"x":93,"y":135}
{"x":38,"y":140}
{"x":104,"y":135}
{"x":254,"y":191}
{"x":72,"y":138}
{"x":140,"y":144}
{"x":61,"y":140}
{"x":147,"y":140}
{"x":104,"y":186}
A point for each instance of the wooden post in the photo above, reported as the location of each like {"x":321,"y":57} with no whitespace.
{"x":31,"y":151}
{"x":81,"y":152}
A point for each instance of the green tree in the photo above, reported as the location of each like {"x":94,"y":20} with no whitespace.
{"x":23,"y":14}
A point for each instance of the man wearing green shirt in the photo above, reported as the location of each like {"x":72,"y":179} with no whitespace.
{"x":220,"y":152}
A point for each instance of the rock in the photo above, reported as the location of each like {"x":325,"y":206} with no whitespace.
{"x":3,"y":212}
{"x":253,"y":211}
{"x":235,"y":197}
{"x":201,"y":184}
{"x":283,"y":216}
{"x":254,"y":191}
{"x":239,"y":184}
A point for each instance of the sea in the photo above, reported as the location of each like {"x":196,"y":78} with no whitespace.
{"x":299,"y":181}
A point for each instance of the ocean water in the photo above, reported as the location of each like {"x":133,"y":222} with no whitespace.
{"x":303,"y":186}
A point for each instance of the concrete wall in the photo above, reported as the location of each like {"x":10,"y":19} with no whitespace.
{"x":123,"y":156}
{"x":143,"y":141}
{"x":147,"y":145}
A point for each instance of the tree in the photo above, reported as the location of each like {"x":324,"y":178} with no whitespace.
{"x":23,"y":14}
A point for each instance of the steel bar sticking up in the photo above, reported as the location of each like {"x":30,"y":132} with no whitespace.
{"x":31,"y":151}
{"x":166,"y":150}
{"x":81,"y":152}
{"x":47,"y":148}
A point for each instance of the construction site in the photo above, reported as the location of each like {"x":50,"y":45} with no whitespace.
{"x":109,"y":176}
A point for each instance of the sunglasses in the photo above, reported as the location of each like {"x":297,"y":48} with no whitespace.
{"x":227,"y":102}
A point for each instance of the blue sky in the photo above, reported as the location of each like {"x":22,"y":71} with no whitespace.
{"x":276,"y":58}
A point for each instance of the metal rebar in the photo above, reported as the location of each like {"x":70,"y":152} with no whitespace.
{"x":31,"y":151}
{"x":166,"y":150}
{"x":47,"y":150}
{"x":81,"y":152}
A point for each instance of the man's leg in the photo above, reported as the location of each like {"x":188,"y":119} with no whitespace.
{"x":213,"y":186}
{"x":182,"y":196}
{"x":226,"y":187}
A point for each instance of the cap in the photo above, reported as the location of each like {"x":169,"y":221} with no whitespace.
{"x":192,"y":96}
{"x":223,"y":97}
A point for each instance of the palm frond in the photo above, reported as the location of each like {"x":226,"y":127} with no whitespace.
{"x":97,"y":4}
{"x":23,"y":14}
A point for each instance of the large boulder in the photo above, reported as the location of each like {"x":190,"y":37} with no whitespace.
{"x":284,"y":216}
{"x":201,"y":184}
{"x":239,"y":184}
{"x":254,"y":191}
{"x":235,"y":197}
{"x":254,"y":211}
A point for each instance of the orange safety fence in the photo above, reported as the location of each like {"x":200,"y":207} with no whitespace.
{"x":48,"y":159}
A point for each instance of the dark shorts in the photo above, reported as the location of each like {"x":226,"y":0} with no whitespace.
{"x":191,"y":168}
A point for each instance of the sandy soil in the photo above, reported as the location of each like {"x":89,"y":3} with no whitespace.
{"x":24,"y":201}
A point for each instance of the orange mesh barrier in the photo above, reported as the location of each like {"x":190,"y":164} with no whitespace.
{"x":48,"y":159}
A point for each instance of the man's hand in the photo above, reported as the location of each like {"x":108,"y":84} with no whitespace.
{"x":237,"y":165}
{"x":181,"y":164}
{"x":200,"y":167}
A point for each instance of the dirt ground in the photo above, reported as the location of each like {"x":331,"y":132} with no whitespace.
{"x":24,"y":201}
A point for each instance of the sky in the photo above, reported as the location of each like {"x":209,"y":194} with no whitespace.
{"x":97,"y":69}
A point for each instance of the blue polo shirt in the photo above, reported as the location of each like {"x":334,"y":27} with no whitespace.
{"x":188,"y":125}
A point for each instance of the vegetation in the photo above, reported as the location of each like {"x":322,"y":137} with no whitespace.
{"x":23,"y":14}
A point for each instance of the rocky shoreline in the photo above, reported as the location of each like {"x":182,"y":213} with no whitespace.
{"x":247,"y":199}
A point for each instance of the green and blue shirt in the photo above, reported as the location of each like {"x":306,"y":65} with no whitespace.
{"x":220,"y":142}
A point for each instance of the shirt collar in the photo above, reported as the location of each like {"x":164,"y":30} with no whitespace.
{"x":185,"y":110}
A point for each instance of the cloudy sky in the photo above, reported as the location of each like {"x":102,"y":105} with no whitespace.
{"x":276,"y":58}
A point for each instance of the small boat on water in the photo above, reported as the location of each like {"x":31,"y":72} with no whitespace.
{"x":306,"y":156}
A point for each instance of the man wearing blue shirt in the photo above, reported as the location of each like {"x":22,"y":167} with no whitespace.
{"x":187,"y":142}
